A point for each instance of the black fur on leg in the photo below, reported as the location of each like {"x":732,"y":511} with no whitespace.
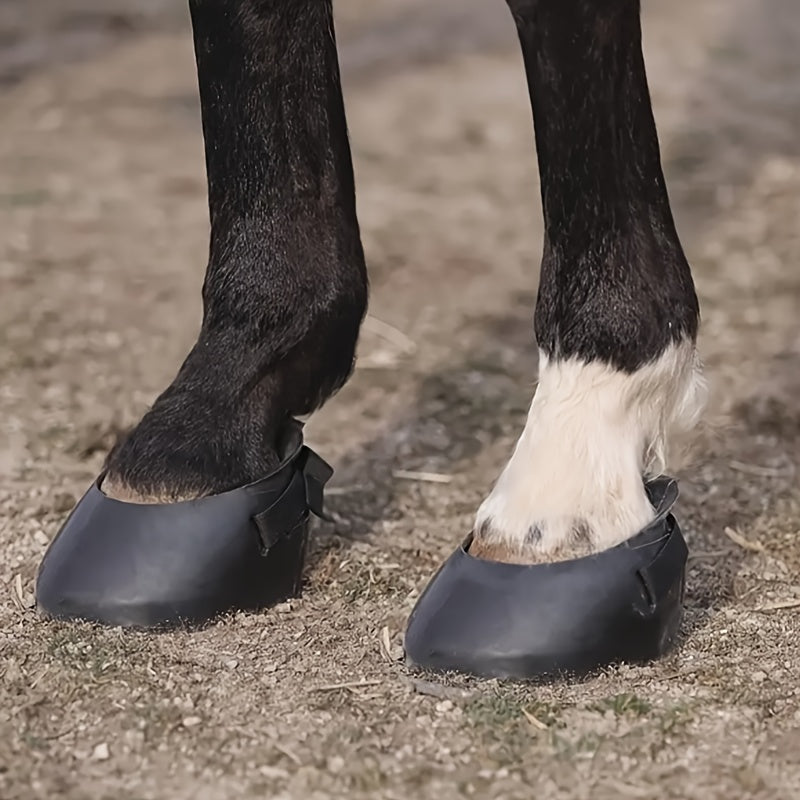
{"x":615,"y":285}
{"x":286,"y":285}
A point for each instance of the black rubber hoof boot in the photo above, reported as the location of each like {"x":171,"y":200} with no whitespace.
{"x":186,"y":562}
{"x":568,"y":618}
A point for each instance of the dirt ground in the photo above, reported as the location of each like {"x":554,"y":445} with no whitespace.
{"x":103,"y":230}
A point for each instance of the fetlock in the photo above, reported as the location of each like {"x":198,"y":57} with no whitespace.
{"x":217,"y":425}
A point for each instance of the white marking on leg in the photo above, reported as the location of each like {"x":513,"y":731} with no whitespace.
{"x":574,"y":481}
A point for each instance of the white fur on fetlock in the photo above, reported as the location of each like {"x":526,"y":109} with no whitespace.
{"x":574,"y":482}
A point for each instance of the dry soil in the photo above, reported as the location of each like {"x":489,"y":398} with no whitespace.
{"x":103,"y":228}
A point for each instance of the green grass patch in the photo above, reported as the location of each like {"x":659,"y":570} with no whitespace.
{"x":624,"y":704}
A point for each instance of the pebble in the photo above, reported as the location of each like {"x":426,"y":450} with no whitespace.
{"x":101,"y":752}
{"x":335,"y":764}
{"x":273,"y":772}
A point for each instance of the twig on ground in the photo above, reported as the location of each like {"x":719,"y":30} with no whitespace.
{"x":756,"y":469}
{"x":39,"y":677}
{"x":431,"y":689}
{"x":332,"y":687}
{"x":746,"y":544}
{"x":390,"y":333}
{"x":386,"y":642}
{"x":780,"y":605}
{"x":537,"y":723}
{"x":288,"y":753}
{"x":335,"y":491}
{"x":18,"y":594}
{"x":428,"y":477}
{"x":53,"y":736}
{"x":380,"y":360}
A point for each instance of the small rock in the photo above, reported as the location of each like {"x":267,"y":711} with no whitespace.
{"x":335,"y":764}
{"x":273,"y":772}
{"x":232,"y":663}
{"x":758,"y":676}
{"x":444,"y":706}
{"x":41,"y":538}
{"x":101,"y":752}
{"x":191,"y":722}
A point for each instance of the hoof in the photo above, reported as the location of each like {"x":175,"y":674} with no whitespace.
{"x":567,"y":618}
{"x":163,"y":565}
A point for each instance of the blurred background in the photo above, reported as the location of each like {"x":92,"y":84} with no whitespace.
{"x":103,"y":237}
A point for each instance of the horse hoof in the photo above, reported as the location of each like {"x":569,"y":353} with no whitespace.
{"x":566,"y":618}
{"x":184,"y":563}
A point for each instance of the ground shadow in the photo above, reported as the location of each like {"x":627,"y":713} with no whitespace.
{"x":458,"y":408}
